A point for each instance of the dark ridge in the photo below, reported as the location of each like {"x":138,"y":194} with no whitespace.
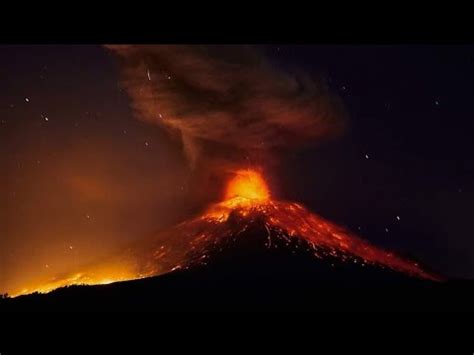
{"x":244,"y":272}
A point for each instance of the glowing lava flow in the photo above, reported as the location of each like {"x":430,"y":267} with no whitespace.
{"x":247,"y":202}
{"x":249,"y":198}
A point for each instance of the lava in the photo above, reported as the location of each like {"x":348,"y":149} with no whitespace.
{"x":247,"y":199}
{"x":247,"y":184}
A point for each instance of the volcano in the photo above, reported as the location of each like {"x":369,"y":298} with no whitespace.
{"x":252,"y":252}
{"x":249,"y":219}
{"x":249,"y":240}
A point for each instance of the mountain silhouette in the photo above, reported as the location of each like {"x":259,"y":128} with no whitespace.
{"x":254,"y":252}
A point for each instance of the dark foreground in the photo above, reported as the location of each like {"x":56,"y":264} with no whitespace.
{"x":260,"y":280}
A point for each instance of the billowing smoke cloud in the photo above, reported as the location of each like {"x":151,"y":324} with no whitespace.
{"x":225,"y":99}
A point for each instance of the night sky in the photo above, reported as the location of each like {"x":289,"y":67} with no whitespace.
{"x":82,"y":176}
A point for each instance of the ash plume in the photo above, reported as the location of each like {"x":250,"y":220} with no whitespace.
{"x":226,"y":102}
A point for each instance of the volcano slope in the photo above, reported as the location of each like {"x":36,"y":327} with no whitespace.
{"x":262,"y":255}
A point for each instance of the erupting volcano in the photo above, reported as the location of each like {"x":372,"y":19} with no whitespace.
{"x":248,"y":203}
{"x":235,"y":177}
{"x":247,"y":211}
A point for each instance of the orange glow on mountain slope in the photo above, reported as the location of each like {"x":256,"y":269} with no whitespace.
{"x":91,"y":275}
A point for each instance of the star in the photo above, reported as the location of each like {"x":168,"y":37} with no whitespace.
{"x":146,"y":144}
{"x":27,"y":99}
{"x":398,"y":217}
{"x":366,"y":156}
